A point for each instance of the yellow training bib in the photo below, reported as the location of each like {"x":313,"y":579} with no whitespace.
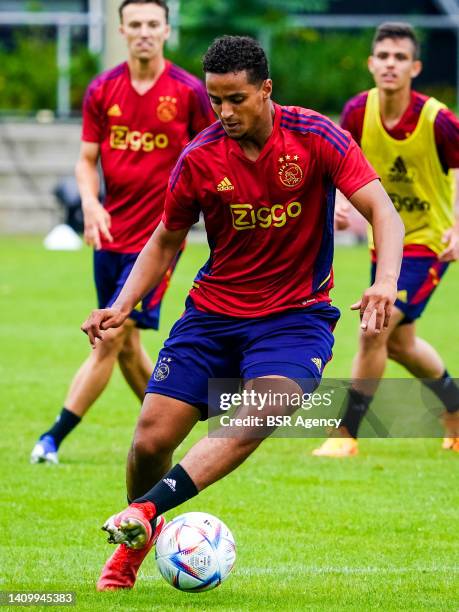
{"x":412,"y":174}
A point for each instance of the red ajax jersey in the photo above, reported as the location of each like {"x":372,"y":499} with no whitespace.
{"x":141,"y":137}
{"x":269,"y":222}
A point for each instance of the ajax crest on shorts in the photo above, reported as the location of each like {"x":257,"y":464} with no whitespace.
{"x":162,"y":369}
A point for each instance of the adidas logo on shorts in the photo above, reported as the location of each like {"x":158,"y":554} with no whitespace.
{"x":317,"y":361}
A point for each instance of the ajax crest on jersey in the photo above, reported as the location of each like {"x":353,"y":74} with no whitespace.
{"x":195,"y":552}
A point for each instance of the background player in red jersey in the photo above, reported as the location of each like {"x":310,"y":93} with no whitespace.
{"x":413,"y":142}
{"x":137,"y":117}
{"x":264,"y":177}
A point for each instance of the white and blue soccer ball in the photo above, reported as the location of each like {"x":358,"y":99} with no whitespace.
{"x":195,"y":552}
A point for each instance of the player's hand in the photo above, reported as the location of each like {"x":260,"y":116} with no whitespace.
{"x":100,"y":320}
{"x":451,"y":239}
{"x":97,"y":222}
{"x":376,"y":304}
{"x":342,"y":210}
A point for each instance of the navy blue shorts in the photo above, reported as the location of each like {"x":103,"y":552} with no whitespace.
{"x":296,"y":344}
{"x":110,"y":273}
{"x":419,"y":277}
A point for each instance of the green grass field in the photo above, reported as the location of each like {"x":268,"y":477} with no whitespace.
{"x":375,"y":532}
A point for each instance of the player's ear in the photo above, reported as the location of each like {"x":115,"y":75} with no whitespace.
{"x":416,"y":68}
{"x":267,"y":88}
{"x":167,"y":32}
{"x":370,"y":64}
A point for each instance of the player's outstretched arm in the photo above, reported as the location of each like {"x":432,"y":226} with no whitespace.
{"x":375,"y":205}
{"x":150,"y":267}
{"x":97,"y":220}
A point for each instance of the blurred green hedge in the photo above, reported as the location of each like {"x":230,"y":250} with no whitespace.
{"x":309,"y":68}
{"x":319,"y":69}
{"x":312,"y":68}
{"x":28,"y":72}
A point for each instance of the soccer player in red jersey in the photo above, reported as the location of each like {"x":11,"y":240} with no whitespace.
{"x":137,"y":118}
{"x":413,"y":142}
{"x":264,"y":177}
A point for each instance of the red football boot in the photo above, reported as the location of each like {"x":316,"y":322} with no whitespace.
{"x":131,"y":528}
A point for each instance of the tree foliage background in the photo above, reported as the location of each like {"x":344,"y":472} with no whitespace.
{"x":315,"y":68}
{"x":308,"y":67}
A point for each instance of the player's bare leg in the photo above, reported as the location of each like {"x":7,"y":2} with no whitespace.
{"x":367,"y":370}
{"x":402,"y":345}
{"x":422,"y":360}
{"x":135,"y":364}
{"x":230,"y":452}
{"x":163,"y":424}
{"x":414,"y":353}
{"x":95,"y":373}
{"x":87,"y":385}
{"x":371,"y":358}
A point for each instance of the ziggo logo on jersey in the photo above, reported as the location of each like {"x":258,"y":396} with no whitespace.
{"x":122,"y":138}
{"x":246,"y":217}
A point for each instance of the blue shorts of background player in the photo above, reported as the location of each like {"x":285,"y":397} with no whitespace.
{"x":110,"y":273}
{"x":295,"y":344}
{"x":419,"y":277}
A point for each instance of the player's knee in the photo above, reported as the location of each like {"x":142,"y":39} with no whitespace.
{"x":372,"y":341}
{"x":151,"y":449}
{"x":130,"y":346}
{"x":111,"y":345}
{"x":128,"y":351}
{"x":151,"y":442}
{"x":398,"y":351}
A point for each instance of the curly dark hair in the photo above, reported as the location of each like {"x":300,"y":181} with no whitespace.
{"x":160,"y":3}
{"x":234,"y":54}
{"x":397,"y":30}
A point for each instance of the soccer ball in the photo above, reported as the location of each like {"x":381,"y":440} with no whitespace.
{"x":195,"y":552}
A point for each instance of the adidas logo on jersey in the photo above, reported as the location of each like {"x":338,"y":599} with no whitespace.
{"x":225,"y":185}
{"x":399,"y":173}
{"x":317,"y":361}
{"x":114,"y":111}
{"x":171,"y":483}
{"x":399,"y":166}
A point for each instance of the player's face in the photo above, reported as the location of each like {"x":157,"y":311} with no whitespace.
{"x":241,"y":106}
{"x":393,"y":65}
{"x":145,"y":30}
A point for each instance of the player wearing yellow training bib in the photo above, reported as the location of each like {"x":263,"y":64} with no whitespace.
{"x":413,"y":143}
{"x":411,"y":171}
